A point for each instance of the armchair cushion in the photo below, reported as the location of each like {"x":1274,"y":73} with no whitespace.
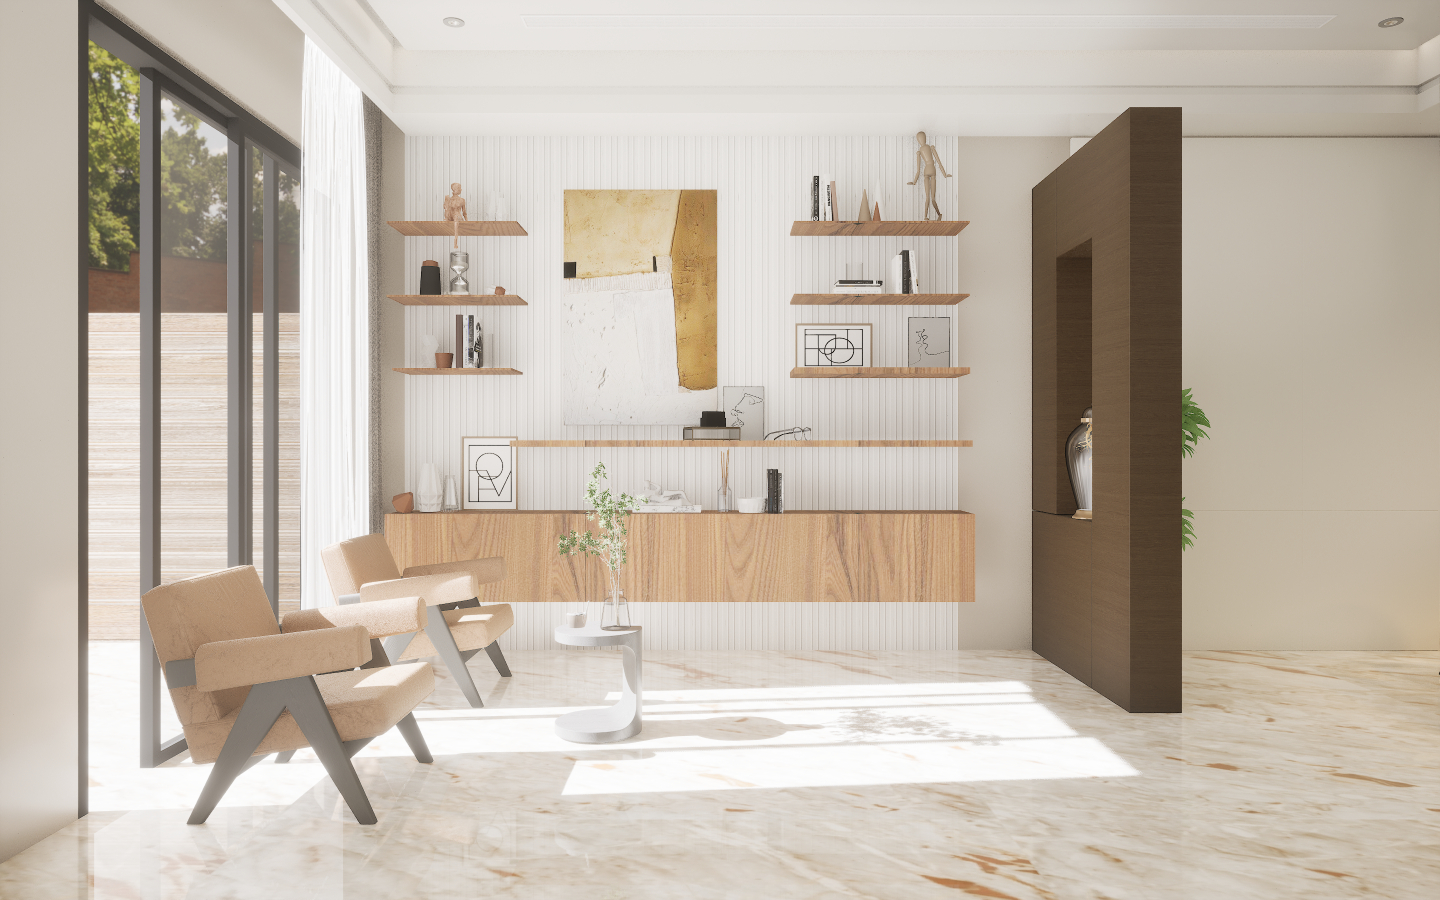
{"x":485,"y":570}
{"x":472,"y":627}
{"x":274,"y":657}
{"x":435,"y":589}
{"x":363,"y":703}
{"x":381,"y":618}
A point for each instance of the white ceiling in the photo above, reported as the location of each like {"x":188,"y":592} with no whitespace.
{"x":1003,"y":67}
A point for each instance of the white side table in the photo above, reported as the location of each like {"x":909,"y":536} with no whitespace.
{"x":611,"y":723}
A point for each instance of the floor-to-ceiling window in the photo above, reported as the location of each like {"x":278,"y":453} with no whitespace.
{"x":193,"y":345}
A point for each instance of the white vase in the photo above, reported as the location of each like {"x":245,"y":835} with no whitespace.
{"x":427,"y":495}
{"x":452,"y":497}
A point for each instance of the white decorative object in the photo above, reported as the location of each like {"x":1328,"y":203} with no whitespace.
{"x":745,"y":409}
{"x":452,"y":496}
{"x":488,"y":473}
{"x":752,"y":504}
{"x":334,"y":321}
{"x":826,"y":345}
{"x":427,"y":492}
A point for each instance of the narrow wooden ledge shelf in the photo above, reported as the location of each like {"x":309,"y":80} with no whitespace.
{"x":878,"y":372}
{"x":877,"y":299}
{"x":467,"y":229}
{"x":876,"y":229}
{"x":491,"y":370}
{"x":458,"y":299}
{"x":726,"y":445}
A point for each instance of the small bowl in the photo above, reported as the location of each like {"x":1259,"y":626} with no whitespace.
{"x":752,"y":504}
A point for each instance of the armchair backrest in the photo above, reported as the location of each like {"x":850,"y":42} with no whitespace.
{"x":218,"y":606}
{"x":350,"y":564}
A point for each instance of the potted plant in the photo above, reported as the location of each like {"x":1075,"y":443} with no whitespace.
{"x":608,"y":542}
{"x":1192,"y":428}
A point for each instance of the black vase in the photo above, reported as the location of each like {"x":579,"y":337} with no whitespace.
{"x":430,"y":277}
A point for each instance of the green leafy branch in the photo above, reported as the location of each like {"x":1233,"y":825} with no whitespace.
{"x":1193,"y":423}
{"x":608,"y":542}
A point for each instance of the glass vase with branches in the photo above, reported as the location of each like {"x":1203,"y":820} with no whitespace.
{"x":607,"y":542}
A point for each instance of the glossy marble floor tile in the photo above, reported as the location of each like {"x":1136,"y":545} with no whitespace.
{"x":807,"y":775}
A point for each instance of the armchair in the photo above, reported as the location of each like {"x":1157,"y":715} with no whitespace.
{"x":243,"y":689}
{"x":456,"y":627}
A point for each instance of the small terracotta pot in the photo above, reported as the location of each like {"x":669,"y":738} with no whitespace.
{"x":404,"y":503}
{"x":444,"y":360}
{"x":499,"y":291}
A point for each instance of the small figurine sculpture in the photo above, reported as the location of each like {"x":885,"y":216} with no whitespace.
{"x":927,"y":157}
{"x":455,"y":209}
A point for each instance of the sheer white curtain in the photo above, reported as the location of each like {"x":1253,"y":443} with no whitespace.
{"x":334,"y":321}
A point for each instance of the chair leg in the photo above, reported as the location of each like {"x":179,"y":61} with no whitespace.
{"x":498,"y":659}
{"x":396,"y":644}
{"x":410,"y":730}
{"x":439,"y":632}
{"x":307,"y":705}
{"x":263,"y":705}
{"x":284,"y":756}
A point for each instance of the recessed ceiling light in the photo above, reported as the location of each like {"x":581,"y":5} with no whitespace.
{"x":453,"y":22}
{"x":1391,"y":22}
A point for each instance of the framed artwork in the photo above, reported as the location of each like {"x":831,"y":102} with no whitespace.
{"x":844,"y":344}
{"x":929,"y":341}
{"x":745,"y":409}
{"x":488,"y":467}
{"x":640,"y":307}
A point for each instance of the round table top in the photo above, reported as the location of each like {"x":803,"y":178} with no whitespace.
{"x":592,"y":635}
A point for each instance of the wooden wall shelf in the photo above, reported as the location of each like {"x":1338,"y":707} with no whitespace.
{"x":726,"y":445}
{"x":458,"y":299}
{"x":879,"y":371}
{"x":467,"y":229}
{"x":877,"y":299}
{"x":490,"y":370}
{"x":876,"y":229}
{"x":801,"y":556}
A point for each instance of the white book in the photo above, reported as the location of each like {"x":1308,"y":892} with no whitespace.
{"x":914,"y":275}
{"x":896,"y":272}
{"x":872,"y":288}
{"x":827,"y":213}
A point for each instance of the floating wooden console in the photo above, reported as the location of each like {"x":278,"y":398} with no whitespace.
{"x":877,"y":299}
{"x":458,"y":299}
{"x":467,"y":229}
{"x":876,"y":229}
{"x":878,"y":371}
{"x":803,"y":556}
{"x":489,"y":370}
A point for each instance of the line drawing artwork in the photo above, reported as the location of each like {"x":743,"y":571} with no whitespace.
{"x":834,"y":345}
{"x":929,"y":341}
{"x":488,"y":465}
{"x":745,"y":409}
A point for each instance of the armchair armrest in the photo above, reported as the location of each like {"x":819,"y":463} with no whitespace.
{"x":276,"y":657}
{"x":382,"y":618}
{"x":491,"y":568}
{"x":434,"y":589}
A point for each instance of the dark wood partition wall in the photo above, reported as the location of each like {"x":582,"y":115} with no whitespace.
{"x":1106,"y":334}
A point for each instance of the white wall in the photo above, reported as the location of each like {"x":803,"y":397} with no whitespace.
{"x":248,"y":49}
{"x":1312,"y":341}
{"x":761,"y":184}
{"x":39,"y":462}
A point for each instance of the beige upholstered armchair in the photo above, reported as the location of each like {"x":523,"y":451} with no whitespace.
{"x":243,"y":689}
{"x":362,"y":570}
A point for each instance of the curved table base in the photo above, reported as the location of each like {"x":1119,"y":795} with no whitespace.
{"x":611,"y":723}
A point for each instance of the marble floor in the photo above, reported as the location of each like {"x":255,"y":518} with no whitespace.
{"x":808,"y":775}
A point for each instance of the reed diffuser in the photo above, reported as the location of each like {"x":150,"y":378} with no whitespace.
{"x":724,"y":500}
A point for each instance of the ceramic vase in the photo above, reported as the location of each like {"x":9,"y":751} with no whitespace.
{"x":1078,"y":462}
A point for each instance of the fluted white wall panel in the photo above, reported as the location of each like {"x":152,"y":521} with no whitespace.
{"x":762,"y":189}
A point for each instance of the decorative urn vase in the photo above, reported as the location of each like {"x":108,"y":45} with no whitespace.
{"x":1077,"y":460}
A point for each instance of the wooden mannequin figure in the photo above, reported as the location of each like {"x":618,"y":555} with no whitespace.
{"x":455,"y":210}
{"x":928,"y":158}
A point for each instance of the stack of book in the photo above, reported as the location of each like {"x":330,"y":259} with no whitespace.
{"x":823,"y":199}
{"x":775,"y":492}
{"x":904,"y":275}
{"x":469,"y":343}
{"x":858,"y":286}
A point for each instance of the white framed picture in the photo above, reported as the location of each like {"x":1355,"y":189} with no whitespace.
{"x":488,"y":467}
{"x":832,"y":344}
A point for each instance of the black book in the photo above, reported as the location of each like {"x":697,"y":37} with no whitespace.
{"x":815,"y":199}
{"x":772,"y":486}
{"x":905,"y":279}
